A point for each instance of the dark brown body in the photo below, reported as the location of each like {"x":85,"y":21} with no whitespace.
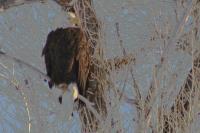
{"x":60,"y":54}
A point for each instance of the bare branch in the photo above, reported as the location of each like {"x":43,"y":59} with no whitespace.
{"x":177,"y":31}
{"x":89,"y":107}
{"x":5,"y":4}
{"x":13,"y":81}
{"x":22,"y":63}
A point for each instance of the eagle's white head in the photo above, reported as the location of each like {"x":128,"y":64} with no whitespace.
{"x":72,"y":89}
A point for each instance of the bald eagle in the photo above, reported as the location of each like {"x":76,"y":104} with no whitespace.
{"x":69,"y":64}
{"x":66,"y":59}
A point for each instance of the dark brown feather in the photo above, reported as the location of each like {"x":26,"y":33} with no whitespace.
{"x":60,"y":55}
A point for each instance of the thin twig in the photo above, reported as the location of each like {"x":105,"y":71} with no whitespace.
{"x":89,"y":106}
{"x":22,"y":63}
{"x":16,"y":84}
{"x":6,"y":4}
{"x":175,"y":35}
{"x":177,"y":31}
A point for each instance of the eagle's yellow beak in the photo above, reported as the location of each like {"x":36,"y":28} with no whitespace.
{"x":75,"y":92}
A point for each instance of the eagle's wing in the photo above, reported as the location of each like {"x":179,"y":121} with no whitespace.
{"x":60,"y":55}
{"x":83,"y":59}
{"x":47,"y":57}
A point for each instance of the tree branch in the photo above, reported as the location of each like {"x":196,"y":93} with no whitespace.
{"x":22,"y":63}
{"x":6,"y":4}
{"x":90,"y":108}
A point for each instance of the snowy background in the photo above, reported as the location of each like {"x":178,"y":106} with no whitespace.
{"x":23,"y":32}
